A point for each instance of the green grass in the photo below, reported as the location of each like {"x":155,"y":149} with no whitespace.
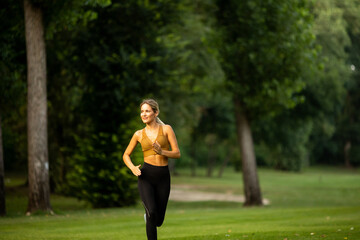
{"x":320,"y":203}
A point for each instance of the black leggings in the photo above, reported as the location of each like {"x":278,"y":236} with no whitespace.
{"x":154,"y":189}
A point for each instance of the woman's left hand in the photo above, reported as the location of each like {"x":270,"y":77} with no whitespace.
{"x":157,"y":148}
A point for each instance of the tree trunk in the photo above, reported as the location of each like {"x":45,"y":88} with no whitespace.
{"x":38,"y":165}
{"x":251,"y":182}
{"x":193,"y":160}
{"x":347,"y":148}
{"x":211,"y":155}
{"x":225,"y":162}
{"x":2,"y":176}
{"x":210,"y":161}
{"x":193,"y":149}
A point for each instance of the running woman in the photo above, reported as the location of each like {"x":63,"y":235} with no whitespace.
{"x":158,"y":143}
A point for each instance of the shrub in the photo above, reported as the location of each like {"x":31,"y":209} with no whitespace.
{"x":98,"y":173}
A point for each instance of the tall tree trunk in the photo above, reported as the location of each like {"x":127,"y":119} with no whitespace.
{"x":39,"y":187}
{"x":251,"y":182}
{"x":2,"y":175}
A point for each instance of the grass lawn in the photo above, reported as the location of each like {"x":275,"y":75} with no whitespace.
{"x":319,"y":203}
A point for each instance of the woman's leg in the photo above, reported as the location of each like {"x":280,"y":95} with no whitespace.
{"x":147,"y":194}
{"x":162,"y":193}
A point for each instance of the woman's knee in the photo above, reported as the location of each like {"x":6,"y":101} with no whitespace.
{"x":152,"y":216}
{"x":160,"y":223}
{"x":156,"y":218}
{"x":160,"y":220}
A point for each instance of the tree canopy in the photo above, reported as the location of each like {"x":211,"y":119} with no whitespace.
{"x":292,"y":67}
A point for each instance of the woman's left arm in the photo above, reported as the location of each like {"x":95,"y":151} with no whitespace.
{"x":175,"y":151}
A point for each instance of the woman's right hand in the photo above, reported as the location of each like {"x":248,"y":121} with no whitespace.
{"x":136,"y":170}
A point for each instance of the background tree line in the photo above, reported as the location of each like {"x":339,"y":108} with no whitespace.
{"x":279,"y":78}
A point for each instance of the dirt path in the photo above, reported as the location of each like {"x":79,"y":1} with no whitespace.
{"x":185,"y":193}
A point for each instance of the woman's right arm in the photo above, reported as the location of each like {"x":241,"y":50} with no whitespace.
{"x":126,"y":157}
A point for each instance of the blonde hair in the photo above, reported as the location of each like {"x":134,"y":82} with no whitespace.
{"x":155,"y":107}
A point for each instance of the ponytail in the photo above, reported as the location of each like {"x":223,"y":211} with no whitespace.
{"x":159,"y":121}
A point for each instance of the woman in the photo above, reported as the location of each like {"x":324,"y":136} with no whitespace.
{"x":154,"y":176}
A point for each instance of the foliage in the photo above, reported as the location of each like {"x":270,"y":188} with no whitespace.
{"x":327,"y":93}
{"x":104,"y":56}
{"x":264,"y":48}
{"x":327,"y":101}
{"x":99,"y":177}
{"x":214,"y":135}
{"x":348,"y":128}
{"x":109,"y":65}
{"x":283,"y":146}
{"x":12,"y":84}
{"x":194,"y":98}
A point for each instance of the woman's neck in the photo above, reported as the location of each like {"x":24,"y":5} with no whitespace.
{"x":152,"y":125}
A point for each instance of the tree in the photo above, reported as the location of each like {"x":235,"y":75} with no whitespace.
{"x":264,"y":47}
{"x":58,"y":14}
{"x":251,"y":182}
{"x":194,"y":86}
{"x":325,"y":107}
{"x":64,"y":21}
{"x":348,"y":130}
{"x":110,"y":64}
{"x":324,"y":128}
{"x":2,"y":182}
{"x":326,"y":93}
{"x":12,"y":88}
{"x":39,"y":189}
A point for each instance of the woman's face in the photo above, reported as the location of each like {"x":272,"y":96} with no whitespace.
{"x":147,"y":113}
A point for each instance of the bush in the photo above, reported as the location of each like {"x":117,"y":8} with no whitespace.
{"x":355,"y":155}
{"x":99,"y":175}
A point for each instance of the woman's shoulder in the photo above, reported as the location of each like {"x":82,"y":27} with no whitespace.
{"x":138,"y":134}
{"x":167,"y":127}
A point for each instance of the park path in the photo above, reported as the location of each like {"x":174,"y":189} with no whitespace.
{"x":187,"y":193}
